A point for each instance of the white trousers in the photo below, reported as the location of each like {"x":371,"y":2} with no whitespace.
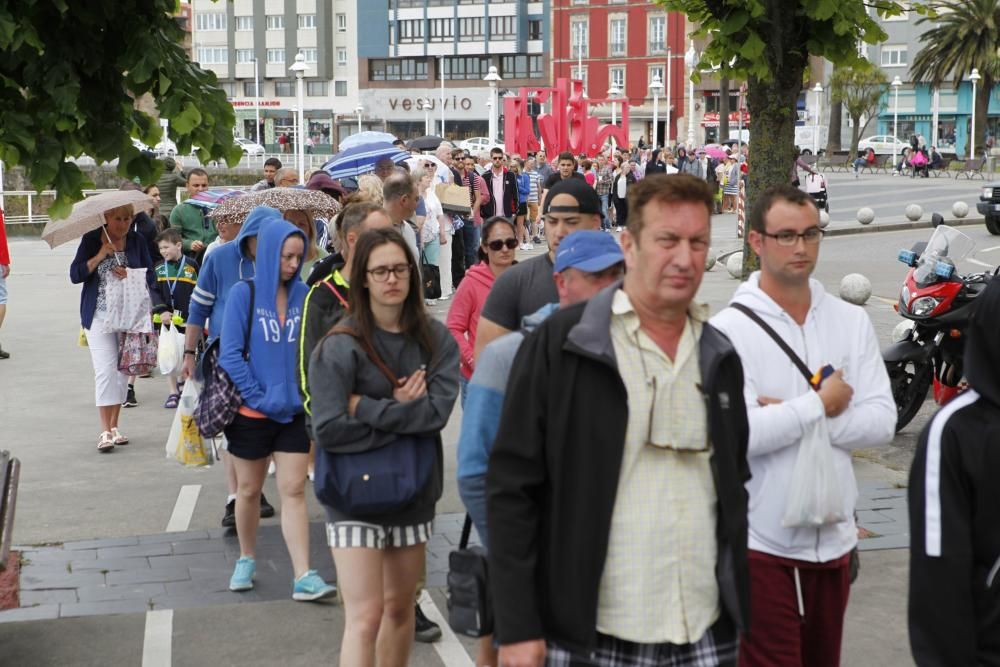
{"x":110,"y":384}
{"x":444,"y":266}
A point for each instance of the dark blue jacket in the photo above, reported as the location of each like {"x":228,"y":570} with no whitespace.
{"x":137,"y":256}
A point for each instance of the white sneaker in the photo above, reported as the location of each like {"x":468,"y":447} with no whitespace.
{"x":523,"y":246}
{"x":529,"y":246}
{"x":271,"y":468}
{"x":618,"y":229}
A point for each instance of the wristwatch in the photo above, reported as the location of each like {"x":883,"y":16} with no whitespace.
{"x":191,"y":352}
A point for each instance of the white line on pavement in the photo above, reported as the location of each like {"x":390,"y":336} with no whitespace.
{"x":184,"y":508}
{"x":448,"y":648}
{"x":157,"y":639}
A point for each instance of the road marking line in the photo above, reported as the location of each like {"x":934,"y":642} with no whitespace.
{"x":448,"y":648}
{"x":184,"y":508}
{"x":888,"y":302}
{"x":158,"y":638}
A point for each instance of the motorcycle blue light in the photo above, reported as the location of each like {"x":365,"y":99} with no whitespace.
{"x":907,"y":257}
{"x":944,"y":269}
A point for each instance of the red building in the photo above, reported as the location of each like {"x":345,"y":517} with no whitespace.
{"x":625,"y":42}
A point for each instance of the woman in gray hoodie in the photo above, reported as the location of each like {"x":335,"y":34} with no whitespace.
{"x":355,"y":408}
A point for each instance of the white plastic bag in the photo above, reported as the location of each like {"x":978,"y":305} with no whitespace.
{"x":815,"y":497}
{"x":129,"y":304}
{"x":170,"y":350}
{"x":185,"y":444}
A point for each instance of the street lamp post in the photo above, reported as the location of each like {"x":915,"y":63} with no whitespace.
{"x":691,"y":60}
{"x":818,"y":89}
{"x":655,"y":89}
{"x":974,"y":78}
{"x":613,"y":93}
{"x":493,"y":79}
{"x":427,"y":115}
{"x":441,"y":74}
{"x":670,"y":98}
{"x":300,"y":68}
{"x":359,"y":110}
{"x":896,"y":83}
{"x":579,"y":49}
{"x":256,"y":94}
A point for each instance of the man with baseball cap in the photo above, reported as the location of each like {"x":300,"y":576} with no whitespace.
{"x":586,"y":262}
{"x":524,"y":288}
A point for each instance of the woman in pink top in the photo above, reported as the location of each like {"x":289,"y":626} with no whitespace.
{"x":496,"y":254}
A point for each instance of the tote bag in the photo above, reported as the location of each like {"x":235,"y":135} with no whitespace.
{"x":129,"y":304}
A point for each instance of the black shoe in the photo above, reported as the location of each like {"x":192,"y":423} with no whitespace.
{"x":425,"y":630}
{"x":266,"y":510}
{"x":4,"y":355}
{"x":130,"y":401}
{"x":229,"y":518}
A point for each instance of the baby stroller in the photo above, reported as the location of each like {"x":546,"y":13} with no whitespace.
{"x":816,"y":187}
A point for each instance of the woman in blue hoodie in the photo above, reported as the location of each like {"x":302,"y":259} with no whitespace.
{"x":271,"y":421}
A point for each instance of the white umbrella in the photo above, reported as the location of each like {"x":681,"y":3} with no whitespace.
{"x":441,"y":170}
{"x":366,"y":137}
{"x":88,"y":215}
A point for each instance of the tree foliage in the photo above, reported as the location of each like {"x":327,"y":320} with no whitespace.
{"x":768,"y":43}
{"x":966,"y":35}
{"x":860,"y":88}
{"x":69,"y":75}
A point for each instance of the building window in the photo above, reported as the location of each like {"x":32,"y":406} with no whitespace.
{"x":894,"y":56}
{"x":316,"y":88}
{"x":284,"y":88}
{"x":309,"y":55}
{"x":210,"y":21}
{"x":617,"y":31}
{"x":211,"y":55}
{"x":514,"y":67}
{"x":340,"y":89}
{"x":276,"y":56}
{"x":465,"y":67}
{"x":502,"y":27}
{"x":275,"y":22}
{"x":579,"y":73}
{"x":228,"y":87}
{"x":657,"y":70}
{"x":244,"y":23}
{"x":400,"y":69}
{"x":244,"y":55}
{"x":534,"y":29}
{"x":441,"y":30}
{"x":410,"y":31}
{"x":578,"y":38}
{"x":616,"y":77}
{"x":657,"y":34}
{"x":580,"y":2}
{"x":250,"y":89}
{"x":535,"y":67}
{"x":307,"y":21}
{"x":341,"y":56}
{"x":470,"y":29}
{"x":341,"y":22}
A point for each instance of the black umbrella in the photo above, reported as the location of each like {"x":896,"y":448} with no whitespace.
{"x":425,"y":143}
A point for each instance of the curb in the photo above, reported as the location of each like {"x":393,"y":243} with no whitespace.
{"x":901,"y":226}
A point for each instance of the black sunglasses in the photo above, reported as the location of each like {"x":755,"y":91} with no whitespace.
{"x":497,"y":246}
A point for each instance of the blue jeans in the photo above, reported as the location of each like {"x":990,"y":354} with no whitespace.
{"x":605,"y":221}
{"x":473,"y":493}
{"x":470,"y":235}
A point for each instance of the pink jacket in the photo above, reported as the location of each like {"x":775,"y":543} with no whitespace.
{"x":463,"y":316}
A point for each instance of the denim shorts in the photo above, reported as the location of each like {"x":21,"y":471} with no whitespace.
{"x":473,"y":493}
{"x":3,"y":289}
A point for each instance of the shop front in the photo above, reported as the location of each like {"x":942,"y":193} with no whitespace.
{"x":404,"y":113}
{"x":276,"y":120}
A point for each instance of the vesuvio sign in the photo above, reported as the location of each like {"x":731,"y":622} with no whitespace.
{"x":568,"y":127}
{"x":450,"y":103}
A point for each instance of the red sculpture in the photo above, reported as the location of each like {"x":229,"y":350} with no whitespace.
{"x":568,"y":127}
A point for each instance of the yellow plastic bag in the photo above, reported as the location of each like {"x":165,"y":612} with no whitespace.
{"x":82,"y":340}
{"x":185,"y":444}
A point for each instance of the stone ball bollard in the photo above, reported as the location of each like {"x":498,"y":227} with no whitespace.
{"x":866,"y":215}
{"x":856,"y":289}
{"x":824,"y":219}
{"x":960,"y":209}
{"x":735,"y":265}
{"x":710,"y":259}
{"x":913,"y":212}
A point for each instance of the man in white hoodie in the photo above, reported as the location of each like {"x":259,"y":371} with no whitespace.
{"x":799,"y":576}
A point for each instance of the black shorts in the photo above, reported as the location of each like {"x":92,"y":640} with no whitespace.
{"x":255,"y":439}
{"x":522,"y":209}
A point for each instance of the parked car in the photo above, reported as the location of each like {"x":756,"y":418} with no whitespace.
{"x":478,"y":144}
{"x":989,"y":206}
{"x":882,"y":144}
{"x":249,"y":147}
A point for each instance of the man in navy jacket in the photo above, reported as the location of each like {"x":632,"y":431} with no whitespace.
{"x":502,"y":186}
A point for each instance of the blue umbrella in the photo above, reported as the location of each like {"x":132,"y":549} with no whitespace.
{"x":366,"y":137}
{"x":362,"y":159}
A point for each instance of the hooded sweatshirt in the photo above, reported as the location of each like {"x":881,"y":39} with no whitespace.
{"x":267,"y":379}
{"x":954,"y":500}
{"x":835,"y":333}
{"x":463,"y":316}
{"x":222,"y":269}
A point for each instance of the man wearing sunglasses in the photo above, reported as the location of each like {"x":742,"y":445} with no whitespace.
{"x":800,"y":575}
{"x":502,"y":185}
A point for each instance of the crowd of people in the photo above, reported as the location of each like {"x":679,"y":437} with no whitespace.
{"x":624,"y":456}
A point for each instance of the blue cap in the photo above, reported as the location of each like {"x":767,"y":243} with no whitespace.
{"x":588,"y":251}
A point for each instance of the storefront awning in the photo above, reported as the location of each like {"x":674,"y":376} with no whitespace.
{"x":711,"y":119}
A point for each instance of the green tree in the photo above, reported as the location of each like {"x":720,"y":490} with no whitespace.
{"x":860,"y":89}
{"x":966,"y":36}
{"x":70,"y":73}
{"x":767,"y":43}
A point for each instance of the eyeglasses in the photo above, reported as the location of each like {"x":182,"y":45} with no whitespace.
{"x":811,"y":236}
{"x":380,"y":274}
{"x":497,"y":246}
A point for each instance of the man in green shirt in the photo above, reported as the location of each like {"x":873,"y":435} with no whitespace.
{"x":196,"y":230}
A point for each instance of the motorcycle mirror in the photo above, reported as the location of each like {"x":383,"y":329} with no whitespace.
{"x":937,"y":220}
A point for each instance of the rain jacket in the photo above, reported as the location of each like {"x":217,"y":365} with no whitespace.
{"x":463,"y":316}
{"x":267,"y":379}
{"x":954,"y":500}
{"x":4,"y":251}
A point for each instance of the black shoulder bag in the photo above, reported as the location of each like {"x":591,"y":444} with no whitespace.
{"x":470,"y":606}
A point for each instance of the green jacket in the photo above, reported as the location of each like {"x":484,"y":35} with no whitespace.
{"x":193,"y":225}
{"x":168,"y":184}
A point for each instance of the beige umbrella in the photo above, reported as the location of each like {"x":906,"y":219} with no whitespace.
{"x":316,"y":204}
{"x":88,"y":214}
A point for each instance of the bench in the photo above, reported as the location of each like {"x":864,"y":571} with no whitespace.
{"x":10,"y":470}
{"x":883,"y":165}
{"x":972,"y":168}
{"x":839,"y":163}
{"x":943,"y":169}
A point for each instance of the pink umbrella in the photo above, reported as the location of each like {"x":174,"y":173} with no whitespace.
{"x":715,"y":152}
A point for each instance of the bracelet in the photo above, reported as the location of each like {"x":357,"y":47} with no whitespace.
{"x":191,"y":352}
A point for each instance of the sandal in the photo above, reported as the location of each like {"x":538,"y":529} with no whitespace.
{"x":106,"y":442}
{"x":117,"y":438}
{"x":172,"y":401}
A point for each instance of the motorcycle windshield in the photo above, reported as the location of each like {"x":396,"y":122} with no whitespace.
{"x":947,"y":244}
